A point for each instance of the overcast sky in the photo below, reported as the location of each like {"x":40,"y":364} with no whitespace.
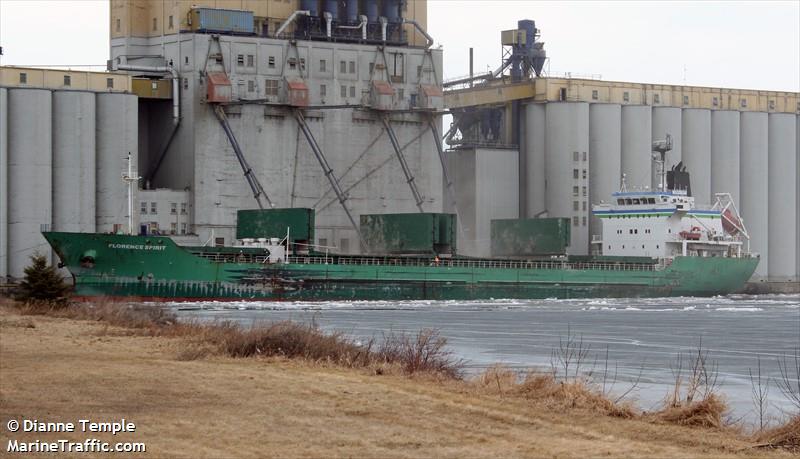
{"x":723,"y":43}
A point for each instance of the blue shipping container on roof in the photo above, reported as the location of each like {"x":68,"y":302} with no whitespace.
{"x":222,"y":21}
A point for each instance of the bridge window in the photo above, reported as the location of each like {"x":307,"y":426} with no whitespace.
{"x":628,"y":201}
{"x":651,"y":200}
{"x":620,"y":201}
{"x":635,"y":201}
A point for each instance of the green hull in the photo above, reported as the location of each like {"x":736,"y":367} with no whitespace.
{"x":155,"y":267}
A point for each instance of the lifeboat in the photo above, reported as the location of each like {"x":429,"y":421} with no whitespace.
{"x":730,"y":222}
{"x":693,"y":235}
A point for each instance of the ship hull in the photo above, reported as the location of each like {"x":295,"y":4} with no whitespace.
{"x":156,"y":268}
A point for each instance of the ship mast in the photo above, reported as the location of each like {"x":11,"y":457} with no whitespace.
{"x":130,"y":177}
{"x":661,"y":148}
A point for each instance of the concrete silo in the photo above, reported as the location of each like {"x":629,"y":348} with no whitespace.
{"x":636,"y":145}
{"x":30,"y":156}
{"x":725,"y":156}
{"x":753,"y":173}
{"x":117,"y":131}
{"x":605,"y":138}
{"x":567,"y":151}
{"x":782,"y":196}
{"x":3,"y":183}
{"x":696,"y":151}
{"x":73,"y":161}
{"x":535,"y":128}
{"x":667,"y":120}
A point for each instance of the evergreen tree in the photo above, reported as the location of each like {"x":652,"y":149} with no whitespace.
{"x":42,"y":283}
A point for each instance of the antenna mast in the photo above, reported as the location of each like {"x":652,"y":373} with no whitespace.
{"x":661,"y":148}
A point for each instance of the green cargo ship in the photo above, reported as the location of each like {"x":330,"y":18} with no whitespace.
{"x":653,"y":244}
{"x":154,"y":267}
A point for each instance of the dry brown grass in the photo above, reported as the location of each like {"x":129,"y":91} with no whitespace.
{"x":786,"y":436}
{"x":707,"y":412}
{"x":546,"y":389}
{"x":423,"y":353}
{"x":219,"y":406}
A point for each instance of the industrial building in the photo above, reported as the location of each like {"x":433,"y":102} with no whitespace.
{"x":214,"y":106}
{"x":556,"y":146}
{"x":329,"y":105}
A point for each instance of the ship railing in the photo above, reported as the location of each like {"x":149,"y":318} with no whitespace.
{"x":463,"y":263}
{"x":245,"y":258}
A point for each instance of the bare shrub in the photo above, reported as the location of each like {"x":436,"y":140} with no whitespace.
{"x":424,"y":353}
{"x":570,"y":357}
{"x":789,"y":380}
{"x":693,"y":399}
{"x":760,"y":395}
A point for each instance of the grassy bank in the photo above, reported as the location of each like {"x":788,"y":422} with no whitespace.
{"x":199,"y":390}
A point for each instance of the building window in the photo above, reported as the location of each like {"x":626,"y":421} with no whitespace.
{"x":118,"y":25}
{"x":352,"y":91}
{"x":322,"y":65}
{"x":584,"y":173}
{"x":186,"y":60}
{"x":183,"y":228}
{"x":583,"y":221}
{"x":240,"y":59}
{"x":626,"y":96}
{"x":575,"y":205}
{"x":250,"y":60}
{"x":153,"y":208}
{"x":323,"y":90}
{"x":110,"y":83}
{"x":343,"y":91}
{"x":685,"y":100}
{"x":575,"y":174}
{"x":185,"y":83}
{"x":155,"y":24}
{"x":584,"y":205}
{"x":576,"y":156}
{"x":562,"y":94}
{"x":219,"y":241}
{"x":271,"y":87}
{"x":302,"y":63}
{"x":656,"y":99}
{"x":594,"y":94}
{"x":371,"y":67}
{"x":342,"y":66}
{"x":772,"y":105}
{"x":575,"y":221}
{"x":575,"y":191}
{"x":183,"y":208}
{"x":584,"y":191}
{"x":67,"y":80}
{"x":584,"y":156}
{"x":251,"y":86}
{"x":143,"y":208}
{"x":352,"y":66}
{"x":292,"y":63}
{"x":743,"y":103}
{"x":23,"y":78}
{"x":173,"y":228}
{"x":170,"y":22}
{"x":398,"y":69}
{"x":271,"y":62}
{"x":173,"y":208}
{"x":715,"y":101}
